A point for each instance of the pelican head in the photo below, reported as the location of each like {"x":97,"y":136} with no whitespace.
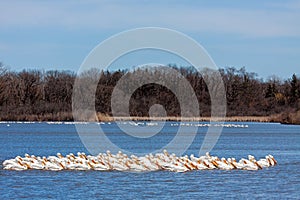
{"x":108,"y":153}
{"x":207,"y":154}
{"x":20,"y":163}
{"x":83,"y":156}
{"x":165,"y":152}
{"x":272,"y":158}
{"x":59,"y":155}
{"x":19,"y":158}
{"x":251,"y":158}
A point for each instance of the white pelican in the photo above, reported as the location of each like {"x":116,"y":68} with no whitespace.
{"x":52,"y":165}
{"x":265,"y":162}
{"x":79,"y":165}
{"x":17,"y":166}
{"x":222,"y":164}
{"x":236,"y":164}
{"x":12,"y":161}
{"x":248,"y":165}
{"x":119,"y":166}
{"x":135,"y":166}
{"x":37,"y":164}
{"x":99,"y":166}
{"x":177,"y":168}
{"x":150,"y":164}
{"x":272,"y":160}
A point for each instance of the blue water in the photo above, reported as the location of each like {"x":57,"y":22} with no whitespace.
{"x":259,"y":139}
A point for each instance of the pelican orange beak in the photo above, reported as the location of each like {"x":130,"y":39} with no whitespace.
{"x":258,"y":165}
{"x":194,"y":166}
{"x":187,"y":166}
{"x":205,"y":164}
{"x":233,"y":165}
{"x":28,"y":166}
{"x":61,"y":165}
{"x":90,"y":165}
{"x":269,"y":161}
{"x":274,"y":160}
{"x":102,"y":163}
{"x":215,"y":164}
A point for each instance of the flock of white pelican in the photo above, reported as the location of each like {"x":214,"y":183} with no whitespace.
{"x":121,"y":162}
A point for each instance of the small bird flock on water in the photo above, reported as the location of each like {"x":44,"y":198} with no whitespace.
{"x":121,"y":162}
{"x":136,"y":124}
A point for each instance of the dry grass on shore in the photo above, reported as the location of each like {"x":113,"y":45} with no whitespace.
{"x":288,"y":117}
{"x":61,"y":116}
{"x":170,"y":118}
{"x":285,"y":118}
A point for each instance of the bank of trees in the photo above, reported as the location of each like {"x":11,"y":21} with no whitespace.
{"x":47,"y":95}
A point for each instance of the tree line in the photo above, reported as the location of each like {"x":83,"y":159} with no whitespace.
{"x":47,"y":95}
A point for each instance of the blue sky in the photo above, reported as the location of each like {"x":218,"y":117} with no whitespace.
{"x":263,"y":36}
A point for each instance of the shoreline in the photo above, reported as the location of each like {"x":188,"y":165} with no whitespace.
{"x":67,"y":117}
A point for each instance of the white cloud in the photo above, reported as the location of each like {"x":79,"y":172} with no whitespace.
{"x":108,"y":15}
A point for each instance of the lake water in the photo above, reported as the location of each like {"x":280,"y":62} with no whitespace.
{"x":259,"y":139}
